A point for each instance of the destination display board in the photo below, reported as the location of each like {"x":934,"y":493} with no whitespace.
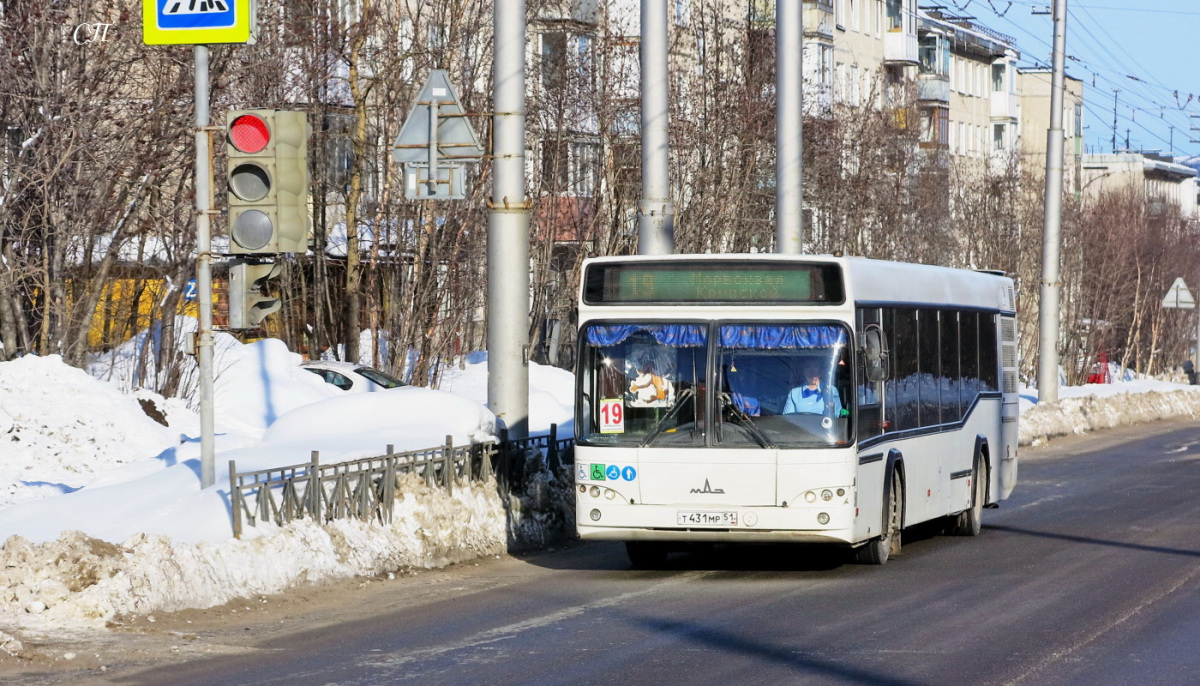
{"x":713,"y":282}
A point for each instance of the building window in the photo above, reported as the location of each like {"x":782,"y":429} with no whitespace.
{"x":585,"y":159}
{"x":556,"y":174}
{"x":998,"y":72}
{"x":405,"y":38}
{"x":998,"y":136}
{"x":554,"y":61}
{"x":682,"y":12}
{"x":895,"y":15}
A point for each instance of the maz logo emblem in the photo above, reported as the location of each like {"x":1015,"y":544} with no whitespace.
{"x":708,"y":489}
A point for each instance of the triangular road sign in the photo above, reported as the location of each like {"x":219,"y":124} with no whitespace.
{"x":456,"y":140}
{"x":1178,"y":296}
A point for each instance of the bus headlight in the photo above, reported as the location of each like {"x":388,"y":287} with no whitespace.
{"x":810,"y":497}
{"x":594,"y":492}
{"x":822,"y":518}
{"x":595,"y":515}
{"x":582,"y":488}
{"x":610,"y":494}
{"x":826,"y":495}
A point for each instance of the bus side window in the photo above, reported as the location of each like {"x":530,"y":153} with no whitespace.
{"x":989,"y":362}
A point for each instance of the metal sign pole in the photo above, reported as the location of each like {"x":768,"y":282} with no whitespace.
{"x":1047,"y":377}
{"x":656,"y":212}
{"x":508,"y":229}
{"x":789,"y":128}
{"x":204,"y":344}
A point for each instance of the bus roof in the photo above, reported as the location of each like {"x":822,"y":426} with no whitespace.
{"x":881,"y":281}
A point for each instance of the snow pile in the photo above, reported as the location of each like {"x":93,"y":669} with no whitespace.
{"x":551,"y":392}
{"x":253,"y":384}
{"x":141,"y":535}
{"x":1082,"y":409}
{"x":59,"y":426}
{"x":78,"y":581}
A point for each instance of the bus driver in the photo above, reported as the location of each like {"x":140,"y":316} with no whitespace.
{"x":811,"y":398}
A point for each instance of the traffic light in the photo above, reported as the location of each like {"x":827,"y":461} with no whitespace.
{"x":248,"y":305}
{"x":268,"y":181}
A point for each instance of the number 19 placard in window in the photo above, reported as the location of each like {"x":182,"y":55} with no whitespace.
{"x":196,"y":22}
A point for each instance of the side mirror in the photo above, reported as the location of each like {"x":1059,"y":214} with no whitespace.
{"x":875,"y":353}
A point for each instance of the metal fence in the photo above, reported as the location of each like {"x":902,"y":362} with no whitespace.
{"x":366,"y":488}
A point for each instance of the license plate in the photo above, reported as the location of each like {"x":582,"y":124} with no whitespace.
{"x":721,"y":519}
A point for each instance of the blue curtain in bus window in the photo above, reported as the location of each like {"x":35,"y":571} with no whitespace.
{"x":782,"y":337}
{"x":677,"y":335}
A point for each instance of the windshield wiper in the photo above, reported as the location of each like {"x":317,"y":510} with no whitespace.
{"x":744,"y":419}
{"x":662,"y":423}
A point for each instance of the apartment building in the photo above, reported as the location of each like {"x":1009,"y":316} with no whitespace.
{"x":1157,"y":178}
{"x":1035,"y":86}
{"x":873,"y":46}
{"x":968,"y":88}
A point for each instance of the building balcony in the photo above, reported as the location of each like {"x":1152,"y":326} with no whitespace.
{"x":580,"y":11}
{"x":818,"y":18}
{"x":900,"y":47}
{"x":933,"y":88}
{"x":1004,"y":106}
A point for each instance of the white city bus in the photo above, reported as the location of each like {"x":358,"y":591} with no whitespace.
{"x":790,"y":398}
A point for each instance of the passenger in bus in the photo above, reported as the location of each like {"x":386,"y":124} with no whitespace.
{"x":812,"y":398}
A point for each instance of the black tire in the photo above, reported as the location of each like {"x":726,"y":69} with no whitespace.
{"x":969,"y":522}
{"x":645,"y":554}
{"x":879,"y":549}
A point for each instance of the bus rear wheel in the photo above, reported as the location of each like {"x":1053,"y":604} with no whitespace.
{"x":878,"y":550}
{"x":646,"y":554}
{"x":969,"y":522}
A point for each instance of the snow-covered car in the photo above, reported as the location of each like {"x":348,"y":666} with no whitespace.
{"x":354,"y":378}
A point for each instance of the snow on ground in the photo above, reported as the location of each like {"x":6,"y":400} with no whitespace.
{"x":59,"y":426}
{"x":551,"y":392}
{"x":1081,"y":409}
{"x":129,"y":530}
{"x":103,"y":512}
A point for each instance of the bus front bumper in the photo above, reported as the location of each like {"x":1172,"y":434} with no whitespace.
{"x":805,"y":524}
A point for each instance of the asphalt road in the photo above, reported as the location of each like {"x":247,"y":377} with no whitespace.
{"x":1089,"y":574}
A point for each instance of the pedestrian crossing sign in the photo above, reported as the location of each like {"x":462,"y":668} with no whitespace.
{"x":196,"y":22}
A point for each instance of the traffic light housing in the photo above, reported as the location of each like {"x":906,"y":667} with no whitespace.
{"x":268,"y":181}
{"x":248,"y":304}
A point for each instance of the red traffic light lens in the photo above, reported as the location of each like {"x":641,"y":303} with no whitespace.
{"x":249,"y":134}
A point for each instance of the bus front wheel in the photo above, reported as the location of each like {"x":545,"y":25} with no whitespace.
{"x":645,"y":554}
{"x":878,"y":550}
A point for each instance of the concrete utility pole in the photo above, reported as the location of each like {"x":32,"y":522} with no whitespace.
{"x":789,"y":127}
{"x":204,"y":337}
{"x":656,"y":212}
{"x":1047,"y":379}
{"x":508,"y":228}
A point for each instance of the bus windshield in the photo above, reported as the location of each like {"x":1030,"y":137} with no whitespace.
{"x":643,"y":383}
{"x":772,"y":385}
